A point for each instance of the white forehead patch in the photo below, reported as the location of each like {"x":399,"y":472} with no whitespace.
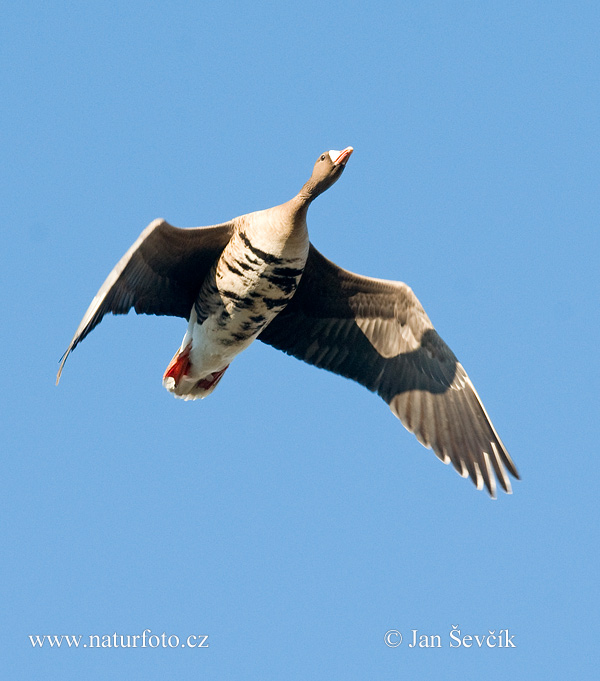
{"x":333,"y":155}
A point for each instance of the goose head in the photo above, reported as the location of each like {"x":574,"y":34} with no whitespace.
{"x":327,"y":170}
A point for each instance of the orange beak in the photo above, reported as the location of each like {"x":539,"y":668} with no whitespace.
{"x":342,"y":159}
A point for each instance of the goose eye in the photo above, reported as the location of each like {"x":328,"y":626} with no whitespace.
{"x":322,"y":157}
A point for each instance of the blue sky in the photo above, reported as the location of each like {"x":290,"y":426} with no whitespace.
{"x":289,"y":516}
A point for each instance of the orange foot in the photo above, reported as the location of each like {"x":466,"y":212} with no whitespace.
{"x":179,"y":365}
{"x":210,"y":381}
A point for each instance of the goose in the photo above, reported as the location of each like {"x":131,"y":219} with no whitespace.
{"x":258,"y":276}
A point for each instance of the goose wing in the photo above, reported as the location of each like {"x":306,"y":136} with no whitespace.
{"x":377,"y":333}
{"x":160,"y":274}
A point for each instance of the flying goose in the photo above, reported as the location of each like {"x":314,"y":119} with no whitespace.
{"x":258,"y":276}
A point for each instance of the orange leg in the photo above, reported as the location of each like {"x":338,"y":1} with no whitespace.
{"x":179,"y":365}
{"x":208,"y":383}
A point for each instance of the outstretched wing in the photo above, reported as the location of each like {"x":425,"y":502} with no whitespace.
{"x":160,"y":274}
{"x":377,"y":333}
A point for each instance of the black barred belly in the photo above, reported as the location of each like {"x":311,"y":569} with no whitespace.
{"x":246,"y":289}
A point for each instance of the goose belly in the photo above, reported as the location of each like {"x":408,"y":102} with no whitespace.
{"x":239,"y":298}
